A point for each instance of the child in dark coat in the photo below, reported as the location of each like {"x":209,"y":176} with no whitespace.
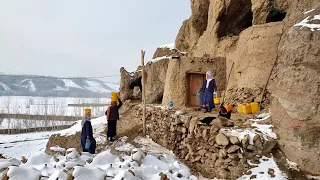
{"x":112,"y":114}
{"x":87,"y":133}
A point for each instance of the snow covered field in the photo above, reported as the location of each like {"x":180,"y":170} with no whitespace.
{"x":49,"y":105}
{"x":26,"y":123}
{"x":18,"y":145}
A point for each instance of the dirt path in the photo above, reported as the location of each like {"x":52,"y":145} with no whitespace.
{"x":128,"y":126}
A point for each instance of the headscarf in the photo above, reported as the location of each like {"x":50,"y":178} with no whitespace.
{"x":210,"y":77}
{"x":209,"y":74}
{"x":85,"y":118}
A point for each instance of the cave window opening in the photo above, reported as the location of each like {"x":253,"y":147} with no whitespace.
{"x":276,"y":16}
{"x":159,"y":98}
{"x":236,"y":18}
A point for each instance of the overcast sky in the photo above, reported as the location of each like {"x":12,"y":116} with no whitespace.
{"x":82,"y":37}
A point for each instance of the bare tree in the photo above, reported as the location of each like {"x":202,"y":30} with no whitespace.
{"x":46,"y":106}
{"x":17,"y":124}
{"x":28,"y":122}
{"x":7,"y":104}
{"x":79,"y":110}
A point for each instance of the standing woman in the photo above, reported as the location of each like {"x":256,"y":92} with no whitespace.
{"x":87,"y":133}
{"x":208,"y":88}
{"x":112,"y":114}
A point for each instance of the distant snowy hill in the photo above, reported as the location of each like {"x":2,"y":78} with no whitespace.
{"x":53,"y":86}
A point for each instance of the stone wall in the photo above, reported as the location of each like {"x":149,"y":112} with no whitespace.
{"x":211,"y":150}
{"x":176,"y":80}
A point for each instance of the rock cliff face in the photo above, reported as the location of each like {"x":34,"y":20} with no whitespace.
{"x":255,"y":35}
{"x":297,"y":94}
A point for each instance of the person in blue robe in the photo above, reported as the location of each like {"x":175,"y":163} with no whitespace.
{"x":208,"y":88}
{"x":87,"y":133}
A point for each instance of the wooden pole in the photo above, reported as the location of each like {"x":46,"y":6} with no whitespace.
{"x":265,"y":87}
{"x":143,"y":93}
{"x":224,"y":95}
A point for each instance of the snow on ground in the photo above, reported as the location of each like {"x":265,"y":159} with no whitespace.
{"x":170,"y":46}
{"x":25,"y":124}
{"x":159,"y":59}
{"x":103,"y":164}
{"x":266,"y":129}
{"x":307,"y":12}
{"x":261,"y":117}
{"x":18,"y":145}
{"x":69,"y":83}
{"x":261,"y":171}
{"x":308,"y":22}
{"x":240,"y":133}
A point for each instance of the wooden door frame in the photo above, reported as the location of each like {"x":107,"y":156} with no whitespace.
{"x":188,"y":74}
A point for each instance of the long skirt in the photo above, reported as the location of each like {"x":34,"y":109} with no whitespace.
{"x":93,"y":145}
{"x":207,"y":101}
{"x":112,"y":128}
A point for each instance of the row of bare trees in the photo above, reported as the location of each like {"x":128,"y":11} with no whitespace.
{"x":52,"y":109}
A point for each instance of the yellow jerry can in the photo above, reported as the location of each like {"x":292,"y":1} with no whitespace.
{"x":114,"y":96}
{"x":254,"y":107}
{"x":240,"y":108}
{"x":216,"y":100}
{"x":87,"y":111}
{"x":246,"y":109}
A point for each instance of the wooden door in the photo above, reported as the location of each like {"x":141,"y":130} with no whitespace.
{"x":194,"y":84}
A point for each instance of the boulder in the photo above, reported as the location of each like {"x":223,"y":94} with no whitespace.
{"x":245,"y":141}
{"x":233,"y":149}
{"x":222,"y":140}
{"x":257,"y":141}
{"x":234,"y":140}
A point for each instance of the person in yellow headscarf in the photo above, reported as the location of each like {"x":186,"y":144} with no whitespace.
{"x":112,"y":114}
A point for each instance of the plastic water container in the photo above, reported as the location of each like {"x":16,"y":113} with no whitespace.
{"x":87,"y":111}
{"x":254,"y":107}
{"x":240,"y":108}
{"x":246,"y":109}
{"x":216,"y":100}
{"x":170,"y":104}
{"x":88,"y":144}
{"x":114,"y":96}
{"x":198,"y":95}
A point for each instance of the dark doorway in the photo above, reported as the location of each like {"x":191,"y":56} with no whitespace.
{"x":194,"y":84}
{"x":236,"y":17}
{"x":276,"y":16}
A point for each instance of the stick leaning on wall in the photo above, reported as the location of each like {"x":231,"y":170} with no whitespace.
{"x":224,"y":95}
{"x":143,"y":93}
